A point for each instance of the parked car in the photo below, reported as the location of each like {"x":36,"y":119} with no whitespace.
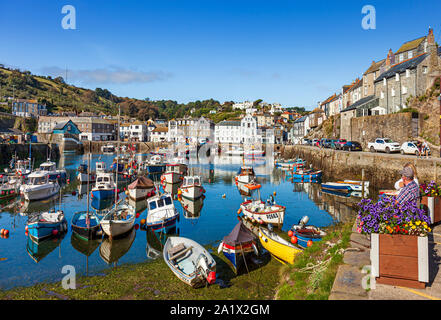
{"x":384,"y":145}
{"x":337,"y":144}
{"x":410,"y":147}
{"x":304,"y":141}
{"x":326,"y":143}
{"x":315,"y":142}
{"x":352,"y":146}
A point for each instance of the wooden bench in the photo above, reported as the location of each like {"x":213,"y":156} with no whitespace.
{"x":178,"y":251}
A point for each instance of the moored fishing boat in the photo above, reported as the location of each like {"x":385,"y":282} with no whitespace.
{"x":335,"y":186}
{"x":306,"y":175}
{"x":174,"y":173}
{"x":191,"y":188}
{"x":154,"y":165}
{"x":304,"y":233}
{"x":250,"y":154}
{"x":105,"y":187}
{"x":41,"y":226}
{"x":54,"y":174}
{"x":162,"y":214}
{"x":108,"y":148}
{"x":141,"y":189}
{"x":238,"y":246}
{"x":118,"y":221}
{"x":245,"y":174}
{"x":279,"y":248}
{"x":262,"y":212}
{"x":39,"y":187}
{"x":84,"y":175}
{"x":189,"y":261}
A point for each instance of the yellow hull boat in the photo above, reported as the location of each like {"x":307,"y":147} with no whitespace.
{"x":281,"y":249}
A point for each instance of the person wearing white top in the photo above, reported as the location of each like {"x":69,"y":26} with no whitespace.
{"x":400,"y":184}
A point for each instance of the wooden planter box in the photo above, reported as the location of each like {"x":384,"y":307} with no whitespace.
{"x":433,"y":206}
{"x":400,"y":260}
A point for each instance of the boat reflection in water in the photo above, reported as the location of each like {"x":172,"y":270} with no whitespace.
{"x":38,"y":251}
{"x":102,"y":204}
{"x":244,"y":191}
{"x":156,"y":242}
{"x":112,"y":250}
{"x":139,"y":206}
{"x":172,"y":189}
{"x":38,"y":206}
{"x":192,"y":208}
{"x":85,"y":247}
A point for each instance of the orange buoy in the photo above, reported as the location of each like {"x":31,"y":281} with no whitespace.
{"x":290,"y":233}
{"x":142,"y":222}
{"x":309,"y":243}
{"x":27,"y":228}
{"x":6,"y":233}
{"x":294,"y":240}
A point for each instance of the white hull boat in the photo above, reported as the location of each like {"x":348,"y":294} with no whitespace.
{"x":39,"y":187}
{"x":189,"y":261}
{"x":118,"y":221}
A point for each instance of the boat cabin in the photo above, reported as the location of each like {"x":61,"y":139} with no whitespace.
{"x":160,"y":202}
{"x":38,"y":178}
{"x":191,"y":181}
{"x":246,"y":171}
{"x":104,"y":180}
{"x":155,"y":159}
{"x":48,"y":166}
{"x":100,"y":167}
{"x":175,"y":168}
{"x":22,"y":166}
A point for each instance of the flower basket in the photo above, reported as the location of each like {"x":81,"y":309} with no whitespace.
{"x":431,"y":200}
{"x":433,"y":206}
{"x":399,"y":243}
{"x":400,"y":260}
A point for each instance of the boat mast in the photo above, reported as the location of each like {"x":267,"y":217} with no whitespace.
{"x":88,"y":178}
{"x":117,"y":156}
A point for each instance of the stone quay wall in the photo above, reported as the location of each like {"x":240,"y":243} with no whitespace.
{"x":382,"y":170}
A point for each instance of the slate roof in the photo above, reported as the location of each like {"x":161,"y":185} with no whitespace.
{"x":402,"y":67}
{"x":60,"y":125}
{"x":410,"y":45}
{"x":359,"y":103}
{"x":229,"y":123}
{"x":375,"y":66}
{"x":302,"y":119}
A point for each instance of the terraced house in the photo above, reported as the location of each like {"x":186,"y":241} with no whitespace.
{"x":28,"y":108}
{"x":409,"y":77}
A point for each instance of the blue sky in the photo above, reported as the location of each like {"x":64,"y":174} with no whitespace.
{"x":292,"y":52}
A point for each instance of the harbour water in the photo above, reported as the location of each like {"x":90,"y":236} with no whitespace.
{"x":207,"y":221}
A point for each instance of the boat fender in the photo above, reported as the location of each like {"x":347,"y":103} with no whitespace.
{"x":219,"y":249}
{"x":239,"y":211}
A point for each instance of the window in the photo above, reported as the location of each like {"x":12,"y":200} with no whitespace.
{"x":384,"y":81}
{"x":404,"y":90}
{"x":393,"y":92}
{"x":153,"y":205}
{"x":401,"y":57}
{"x":424,"y":69}
{"x":382,"y":95}
{"x":410,"y":55}
{"x":407,"y":73}
{"x":397,"y":77}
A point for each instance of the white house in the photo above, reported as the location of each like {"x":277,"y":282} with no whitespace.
{"x":243,"y":105}
{"x":159,"y":134}
{"x":228,"y":132}
{"x":248,"y":126}
{"x":138,"y":131}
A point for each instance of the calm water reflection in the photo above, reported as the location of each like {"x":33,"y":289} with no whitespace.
{"x":207,"y":221}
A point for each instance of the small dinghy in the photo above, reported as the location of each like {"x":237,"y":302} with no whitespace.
{"x":189,"y":261}
{"x":279,"y":248}
{"x":44,"y":225}
{"x":307,"y":175}
{"x":118,"y":220}
{"x":305,"y":233}
{"x":346,"y":186}
{"x":239,"y":246}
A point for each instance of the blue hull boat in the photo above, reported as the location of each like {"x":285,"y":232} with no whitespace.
{"x":42,"y":226}
{"x":307,"y":233}
{"x":103,"y":194}
{"x":341,"y":188}
{"x":165,"y":226}
{"x":86,"y":226}
{"x":306,"y":176}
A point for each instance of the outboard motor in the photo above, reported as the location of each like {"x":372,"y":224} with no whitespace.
{"x":270,"y":227}
{"x":303,"y":221}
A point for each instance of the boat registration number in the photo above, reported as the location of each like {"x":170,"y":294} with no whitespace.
{"x":272,"y":216}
